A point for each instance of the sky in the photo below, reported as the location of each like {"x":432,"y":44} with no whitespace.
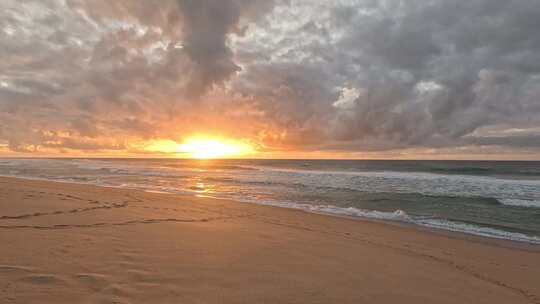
{"x":426,"y":79}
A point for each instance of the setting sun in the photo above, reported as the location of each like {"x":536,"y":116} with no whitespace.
{"x":213,"y":148}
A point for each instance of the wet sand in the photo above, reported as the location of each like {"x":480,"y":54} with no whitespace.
{"x":70,"y":243}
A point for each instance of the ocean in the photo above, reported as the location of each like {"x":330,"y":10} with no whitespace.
{"x":485,"y":198}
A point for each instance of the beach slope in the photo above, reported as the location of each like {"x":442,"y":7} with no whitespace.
{"x":70,"y":243}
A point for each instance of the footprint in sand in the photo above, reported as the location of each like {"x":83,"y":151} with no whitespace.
{"x":118,"y":291}
{"x":14,"y":268}
{"x":42,"y":279}
{"x":93,"y":281}
{"x":140,"y":276}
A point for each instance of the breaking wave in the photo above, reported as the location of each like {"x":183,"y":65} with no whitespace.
{"x":402,"y":216}
{"x":519,"y":203}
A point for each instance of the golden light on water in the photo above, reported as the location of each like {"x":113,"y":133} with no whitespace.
{"x":202,"y":147}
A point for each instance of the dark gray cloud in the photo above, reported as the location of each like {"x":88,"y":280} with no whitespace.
{"x":206,"y":26}
{"x":348,"y":75}
{"x":423,"y":73}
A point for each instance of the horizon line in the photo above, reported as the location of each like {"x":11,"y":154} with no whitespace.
{"x":268,"y":159}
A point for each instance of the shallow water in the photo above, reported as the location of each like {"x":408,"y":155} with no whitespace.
{"x":492,"y":199}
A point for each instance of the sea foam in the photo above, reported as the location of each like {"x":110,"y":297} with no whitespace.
{"x":477,"y":230}
{"x":402,"y":216}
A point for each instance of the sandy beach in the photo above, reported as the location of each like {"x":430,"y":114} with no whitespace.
{"x":70,"y":243}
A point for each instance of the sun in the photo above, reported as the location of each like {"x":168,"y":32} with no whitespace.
{"x":204,"y":148}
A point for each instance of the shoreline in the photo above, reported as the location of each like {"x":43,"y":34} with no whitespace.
{"x":504,"y":242}
{"x":500,"y":242}
{"x":68,"y":242}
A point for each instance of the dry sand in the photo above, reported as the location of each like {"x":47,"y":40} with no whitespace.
{"x":67,"y":243}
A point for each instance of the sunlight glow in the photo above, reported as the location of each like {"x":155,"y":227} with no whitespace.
{"x":200,"y":147}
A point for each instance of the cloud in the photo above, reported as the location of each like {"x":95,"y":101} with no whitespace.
{"x":206,"y":26}
{"x":95,"y":69}
{"x":430,"y":72}
{"x":303,"y":75}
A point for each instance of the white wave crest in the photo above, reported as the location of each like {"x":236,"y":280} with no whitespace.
{"x":477,"y":230}
{"x":398,"y":215}
{"x":402,"y":216}
{"x":520,"y":203}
